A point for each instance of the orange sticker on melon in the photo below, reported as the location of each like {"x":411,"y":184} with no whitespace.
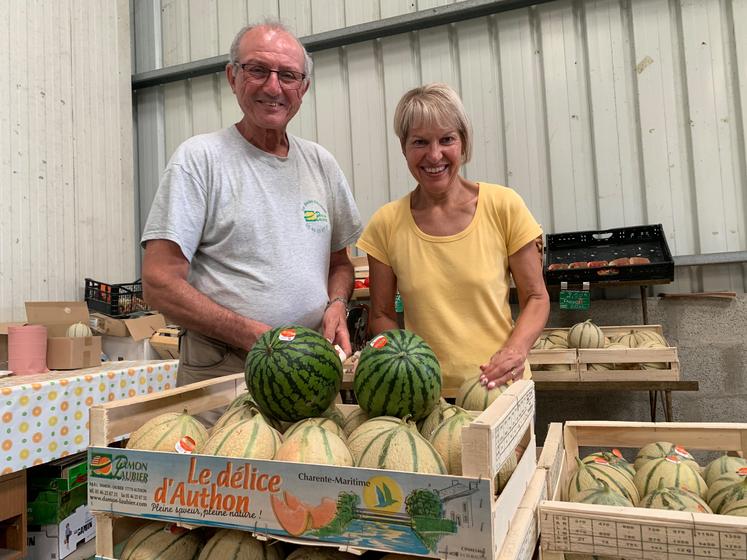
{"x":295,"y":521}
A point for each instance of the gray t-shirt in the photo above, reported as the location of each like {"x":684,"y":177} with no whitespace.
{"x":256,"y":228}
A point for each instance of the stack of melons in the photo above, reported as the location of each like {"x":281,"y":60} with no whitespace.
{"x":641,"y":338}
{"x":663,"y":476}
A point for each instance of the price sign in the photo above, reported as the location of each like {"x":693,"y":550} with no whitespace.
{"x":574,"y":299}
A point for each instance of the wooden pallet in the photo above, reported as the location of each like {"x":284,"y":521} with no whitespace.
{"x":487,"y":442}
{"x":572,"y":528}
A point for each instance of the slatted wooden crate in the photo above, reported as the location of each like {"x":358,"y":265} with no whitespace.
{"x":628,"y":532}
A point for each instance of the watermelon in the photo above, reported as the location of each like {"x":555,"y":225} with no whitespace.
{"x":397,"y":375}
{"x":293,"y":373}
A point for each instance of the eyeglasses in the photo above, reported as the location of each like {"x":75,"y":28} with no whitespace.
{"x":257,"y":74}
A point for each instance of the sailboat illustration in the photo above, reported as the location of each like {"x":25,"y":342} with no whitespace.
{"x":384,"y":496}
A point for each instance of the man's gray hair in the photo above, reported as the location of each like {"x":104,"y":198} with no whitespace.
{"x":233,"y":54}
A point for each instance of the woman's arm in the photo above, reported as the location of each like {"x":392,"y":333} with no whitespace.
{"x":383,"y":288}
{"x":508,"y":363}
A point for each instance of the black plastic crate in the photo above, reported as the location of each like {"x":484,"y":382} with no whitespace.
{"x":607,"y":245}
{"x":115,"y":300}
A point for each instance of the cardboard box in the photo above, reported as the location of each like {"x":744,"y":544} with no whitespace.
{"x":138,"y":328}
{"x":56,"y":541}
{"x":64,"y":352}
{"x":120,"y":348}
{"x":56,"y":489}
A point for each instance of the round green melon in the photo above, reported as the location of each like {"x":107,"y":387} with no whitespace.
{"x":446,"y":439}
{"x":613,"y":457}
{"x":163,"y":541}
{"x":722,"y":467}
{"x":293,"y":373}
{"x":674,"y":499}
{"x":361,"y":436}
{"x":725,"y":492}
{"x":735,"y":507}
{"x":602,"y":495}
{"x":401,"y":448}
{"x":585,"y":335}
{"x":170,"y":432}
{"x":397,"y":375}
{"x":228,"y":544}
{"x":251,"y":438}
{"x":674,"y":471}
{"x":442,"y":411}
{"x":316,"y":445}
{"x":660,"y":449}
{"x":588,"y":475}
{"x":473,"y":395}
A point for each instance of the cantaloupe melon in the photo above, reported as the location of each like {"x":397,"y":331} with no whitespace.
{"x":442,"y":411}
{"x":447,"y":440}
{"x":725,"y":493}
{"x":723,"y":466}
{"x":326,"y":423}
{"x":587,"y":476}
{"x":558,"y":338}
{"x":172,"y":431}
{"x":320,"y":553}
{"x":317,"y":445}
{"x":366,"y":432}
{"x":472,"y":395}
{"x":353,"y":420}
{"x":613,"y":457}
{"x":79,"y":330}
{"x":649,"y":344}
{"x":659,"y":449}
{"x":585,"y":335}
{"x":602,"y":495}
{"x":164,"y":541}
{"x":674,"y":499}
{"x":227,"y":544}
{"x":252,"y":438}
{"x":675,"y":473}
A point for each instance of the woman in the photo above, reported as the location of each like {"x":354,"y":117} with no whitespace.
{"x":449,"y":246}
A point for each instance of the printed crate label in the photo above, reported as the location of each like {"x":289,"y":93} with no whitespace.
{"x":433,"y":515}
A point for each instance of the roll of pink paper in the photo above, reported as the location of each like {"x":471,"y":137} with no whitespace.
{"x":27,"y":349}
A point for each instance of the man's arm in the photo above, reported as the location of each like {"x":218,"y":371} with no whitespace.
{"x":166,"y":289}
{"x":339,"y":289}
{"x":383,"y":288}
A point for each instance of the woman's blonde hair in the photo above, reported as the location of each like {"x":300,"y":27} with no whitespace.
{"x":434,"y":104}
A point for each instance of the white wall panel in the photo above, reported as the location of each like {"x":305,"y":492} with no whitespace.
{"x":600,"y":113}
{"x":66,"y":194}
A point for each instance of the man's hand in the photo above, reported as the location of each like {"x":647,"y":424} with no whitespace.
{"x":335,"y":326}
{"x":505,"y":365}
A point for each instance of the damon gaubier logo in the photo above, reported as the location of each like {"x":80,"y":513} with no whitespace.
{"x":315,"y":216}
{"x":101,"y":465}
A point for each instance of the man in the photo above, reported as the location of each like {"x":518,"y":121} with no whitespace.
{"x":249,"y":228}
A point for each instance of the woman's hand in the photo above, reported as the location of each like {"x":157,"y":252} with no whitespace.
{"x":505,"y":365}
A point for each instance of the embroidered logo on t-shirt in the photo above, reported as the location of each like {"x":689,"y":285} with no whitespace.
{"x":315,"y":216}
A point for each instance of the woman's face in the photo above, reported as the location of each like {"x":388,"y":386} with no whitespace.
{"x":434,"y":156}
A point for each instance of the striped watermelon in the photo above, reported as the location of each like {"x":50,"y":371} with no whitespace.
{"x":472,"y":395}
{"x":293,"y":373}
{"x":446,"y":439}
{"x":172,"y":431}
{"x":397,"y":375}
{"x":252,"y":438}
{"x":314,"y":444}
{"x":724,"y":491}
{"x":588,"y":476}
{"x":227,"y":544}
{"x":674,"y":471}
{"x":674,"y":499}
{"x":401,"y":448}
{"x":162,"y":541}
{"x":613,"y":457}
{"x":723,"y":466}
{"x":602,"y":495}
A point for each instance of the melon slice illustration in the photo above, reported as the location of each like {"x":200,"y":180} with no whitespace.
{"x":296,"y":521}
{"x":323,"y":514}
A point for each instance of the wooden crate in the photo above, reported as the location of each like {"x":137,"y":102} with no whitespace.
{"x":630,"y":532}
{"x":13,"y":515}
{"x":487,"y":442}
{"x":165,"y":342}
{"x":583,"y":358}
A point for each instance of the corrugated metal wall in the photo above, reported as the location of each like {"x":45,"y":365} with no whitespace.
{"x":66,"y":190}
{"x":600,"y":113}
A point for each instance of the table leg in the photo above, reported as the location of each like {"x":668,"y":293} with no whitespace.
{"x":644,"y":304}
{"x":652,"y":404}
{"x":667,"y":399}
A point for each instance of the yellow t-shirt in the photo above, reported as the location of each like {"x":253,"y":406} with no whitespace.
{"x":455,"y":288}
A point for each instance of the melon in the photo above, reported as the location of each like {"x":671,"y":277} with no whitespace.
{"x":78,"y":330}
{"x":172,"y":431}
{"x":660,"y":449}
{"x":442,"y":411}
{"x":326,"y":423}
{"x":674,"y":471}
{"x":631,"y":339}
{"x":334,"y":414}
{"x":722,"y":467}
{"x":648,"y":344}
{"x":588,"y":475}
{"x":252,"y":438}
{"x":585,"y":335}
{"x":228,"y":544}
{"x":543,"y":343}
{"x":602,"y":495}
{"x":472,"y":395}
{"x":446,"y":439}
{"x":293,"y":373}
{"x":401,"y":448}
{"x":397,"y":375}
{"x":558,"y":338}
{"x":613,"y":457}
{"x":507,"y":469}
{"x":314,"y":444}
{"x":353,"y":420}
{"x":236,"y":413}
{"x":735,"y":507}
{"x":643,"y":335}
{"x":359,"y":438}
{"x":163,"y":541}
{"x":724,"y":492}
{"x":320,"y":553}
{"x":674,"y":499}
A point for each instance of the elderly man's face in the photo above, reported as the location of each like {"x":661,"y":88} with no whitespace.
{"x":270,"y":105}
